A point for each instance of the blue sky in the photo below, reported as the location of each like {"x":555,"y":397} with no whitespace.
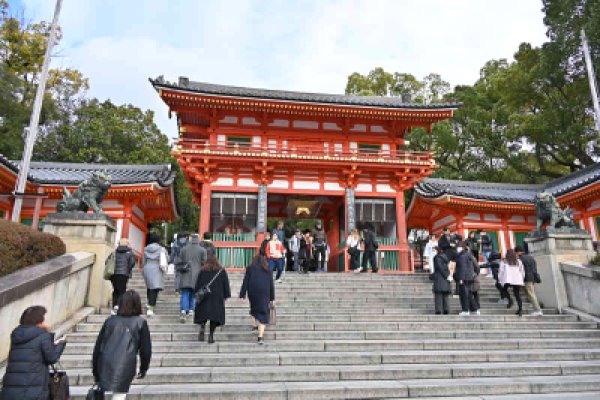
{"x":310,"y":45}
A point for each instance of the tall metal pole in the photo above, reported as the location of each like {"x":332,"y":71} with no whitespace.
{"x":591,"y":78}
{"x":35,"y":118}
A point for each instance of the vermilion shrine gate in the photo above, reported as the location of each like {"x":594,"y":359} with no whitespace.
{"x":252,"y":154}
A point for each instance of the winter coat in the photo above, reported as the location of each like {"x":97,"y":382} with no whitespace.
{"x":304,"y":252}
{"x":176,"y":249}
{"x":295,"y":244}
{"x":263,"y":248}
{"x":486,"y":243}
{"x":511,"y":274}
{"x":370,"y":242}
{"x":319,"y":237}
{"x":209,"y":247}
{"x":124,"y":261}
{"x":473,"y":244}
{"x":275,"y":250}
{"x":258,"y":285}
{"x":475,"y":284}
{"x":464,"y":267}
{"x":32,"y":349}
{"x":530,"y":267}
{"x":114,"y":362}
{"x":195,"y":256}
{"x":440,"y":274}
{"x":213,"y":308}
{"x":153,"y":275}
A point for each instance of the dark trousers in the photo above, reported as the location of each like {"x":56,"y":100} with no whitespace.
{"x":152,"y":296}
{"x":464,"y":296}
{"x":441,"y":302}
{"x":369,"y":256}
{"x":502,"y":290}
{"x":474,"y":301}
{"x":354,"y":259}
{"x":320,"y":250}
{"x":213,"y":325}
{"x":119,"y":284}
{"x":516,"y":292}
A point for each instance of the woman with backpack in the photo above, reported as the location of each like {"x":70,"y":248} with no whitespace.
{"x":212,"y":307}
{"x":121,"y":339}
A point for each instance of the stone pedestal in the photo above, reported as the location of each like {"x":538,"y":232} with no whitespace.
{"x":549,"y":250}
{"x":90,"y":233}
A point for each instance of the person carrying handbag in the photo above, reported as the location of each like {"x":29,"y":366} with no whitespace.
{"x":32,"y":350}
{"x":212,"y":306}
{"x":154,"y":264}
{"x":193,"y":256}
{"x":531,"y":277}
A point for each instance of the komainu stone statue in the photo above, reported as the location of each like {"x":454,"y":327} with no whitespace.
{"x":87,"y":196}
{"x":548,"y":211}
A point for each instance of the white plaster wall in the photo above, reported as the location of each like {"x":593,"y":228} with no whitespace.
{"x":385,"y":148}
{"x":246,"y":182}
{"x":474,"y":216}
{"x":256,"y":141}
{"x":250,"y":121}
{"x":306,"y":124}
{"x":594,"y":232}
{"x":444,"y":221}
{"x":224,"y":182}
{"x":491,"y":217}
{"x":279,"y":184}
{"x":333,"y":186}
{"x":119,"y":230}
{"x":136,"y":238}
{"x":364,"y":187}
{"x":531,"y":219}
{"x":221,"y":140}
{"x":517,"y":218}
{"x":384,"y":188}
{"x":306,"y":185}
{"x":511,"y":236}
{"x":595,"y":204}
{"x":331,"y":126}
{"x":138,"y":211}
{"x":283,"y":123}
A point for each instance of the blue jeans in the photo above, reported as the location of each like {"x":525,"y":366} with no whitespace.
{"x":187,"y":301}
{"x":486,"y":257}
{"x":276,"y":263}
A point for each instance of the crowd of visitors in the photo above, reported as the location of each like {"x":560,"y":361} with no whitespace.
{"x":452,"y":259}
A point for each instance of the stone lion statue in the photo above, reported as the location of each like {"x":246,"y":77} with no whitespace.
{"x":88,"y":195}
{"x":548,"y":211}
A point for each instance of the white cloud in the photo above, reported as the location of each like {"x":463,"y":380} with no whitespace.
{"x":296,"y":45}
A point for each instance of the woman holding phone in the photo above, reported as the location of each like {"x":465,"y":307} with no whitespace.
{"x":32,"y":350}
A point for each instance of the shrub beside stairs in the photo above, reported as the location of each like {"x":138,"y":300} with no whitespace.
{"x":342,"y":336}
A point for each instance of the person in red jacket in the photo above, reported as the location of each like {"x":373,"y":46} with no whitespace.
{"x":276,"y":255}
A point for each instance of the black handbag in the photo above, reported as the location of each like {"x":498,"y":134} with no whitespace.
{"x":95,"y":393}
{"x":58,"y":384}
{"x":205,"y":291}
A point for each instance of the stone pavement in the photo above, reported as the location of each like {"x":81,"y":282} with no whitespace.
{"x":342,"y":336}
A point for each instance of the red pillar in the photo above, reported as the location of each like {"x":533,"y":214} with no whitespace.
{"x":38,"y":209}
{"x":401,"y":231}
{"x":204,"y":209}
{"x":126,"y":219}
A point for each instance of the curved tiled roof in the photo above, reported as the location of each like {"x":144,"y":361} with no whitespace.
{"x":74,"y":173}
{"x":507,"y":192}
{"x":286,"y":95}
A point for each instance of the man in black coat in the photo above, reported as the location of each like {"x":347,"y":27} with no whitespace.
{"x":441,"y":285}
{"x":370,"y":252}
{"x":207,"y":245}
{"x":531,"y":274}
{"x":464,"y":276}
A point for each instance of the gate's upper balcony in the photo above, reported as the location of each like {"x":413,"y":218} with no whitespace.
{"x":284,"y":151}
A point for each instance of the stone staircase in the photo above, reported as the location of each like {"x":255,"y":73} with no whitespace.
{"x":342,"y":336}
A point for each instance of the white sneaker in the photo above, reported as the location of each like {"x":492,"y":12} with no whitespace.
{"x":464,"y":314}
{"x":536,"y":314}
{"x":477,"y":312}
{"x":149,"y":312}
{"x":182,"y":317}
{"x":191,"y":314}
{"x":114,"y":310}
{"x":358,"y":270}
{"x":277,"y":280}
{"x":490,"y":275}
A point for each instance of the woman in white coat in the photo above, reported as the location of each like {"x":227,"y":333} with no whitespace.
{"x":512,"y":274}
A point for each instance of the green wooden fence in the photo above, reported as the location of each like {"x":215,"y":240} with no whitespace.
{"x":235,"y":257}
{"x":240,"y":237}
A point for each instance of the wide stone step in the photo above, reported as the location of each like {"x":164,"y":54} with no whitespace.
{"x":471,"y":324}
{"x":353,"y":358}
{"x":86,"y":349}
{"x":364,"y":389}
{"x":167,"y":375}
{"x":248,"y":336}
{"x":362,"y":317}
